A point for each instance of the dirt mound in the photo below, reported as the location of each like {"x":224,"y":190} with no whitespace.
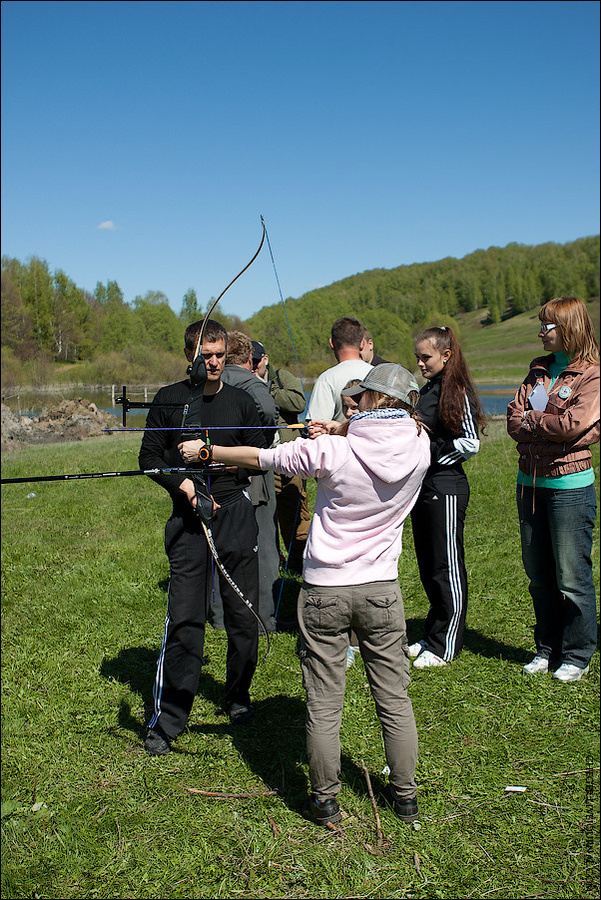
{"x":72,"y":420}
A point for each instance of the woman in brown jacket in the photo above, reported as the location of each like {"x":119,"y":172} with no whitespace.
{"x":554,"y":418}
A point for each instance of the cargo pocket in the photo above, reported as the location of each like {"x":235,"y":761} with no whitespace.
{"x":321,"y":613}
{"x":384,"y":612}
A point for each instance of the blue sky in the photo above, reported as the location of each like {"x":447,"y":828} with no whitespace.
{"x":141,"y":142}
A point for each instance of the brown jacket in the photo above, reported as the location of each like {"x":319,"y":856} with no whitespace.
{"x":556,"y":441}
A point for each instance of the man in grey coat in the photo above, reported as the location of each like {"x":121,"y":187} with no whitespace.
{"x":239,"y":373}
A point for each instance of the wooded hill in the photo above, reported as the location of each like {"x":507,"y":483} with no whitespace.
{"x":47,"y":320}
{"x":396,"y":303}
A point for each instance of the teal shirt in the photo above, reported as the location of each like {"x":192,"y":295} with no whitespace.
{"x":559,"y":482}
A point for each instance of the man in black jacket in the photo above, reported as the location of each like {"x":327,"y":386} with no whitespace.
{"x":209,"y":406}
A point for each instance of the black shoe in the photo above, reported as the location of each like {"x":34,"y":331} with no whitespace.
{"x":405,"y":810}
{"x":240,"y":715}
{"x":322,"y":812}
{"x":157,"y":743}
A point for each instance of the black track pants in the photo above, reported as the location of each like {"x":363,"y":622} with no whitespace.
{"x":178,"y":669}
{"x":438,"y":521}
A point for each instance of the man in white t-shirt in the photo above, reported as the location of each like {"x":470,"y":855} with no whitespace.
{"x":347,"y":338}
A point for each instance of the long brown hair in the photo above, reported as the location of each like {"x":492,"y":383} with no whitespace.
{"x":575,"y":327}
{"x":456,"y":381}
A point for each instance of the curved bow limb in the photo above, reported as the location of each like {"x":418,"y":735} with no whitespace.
{"x":197,"y":370}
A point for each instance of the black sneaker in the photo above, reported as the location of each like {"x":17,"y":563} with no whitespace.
{"x":240,"y":715}
{"x":322,"y":812}
{"x":157,"y":743}
{"x":405,"y":810}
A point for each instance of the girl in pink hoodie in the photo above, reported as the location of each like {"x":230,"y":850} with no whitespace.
{"x":369,"y":472}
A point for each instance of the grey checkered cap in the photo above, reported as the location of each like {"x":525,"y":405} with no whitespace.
{"x":388,"y":378}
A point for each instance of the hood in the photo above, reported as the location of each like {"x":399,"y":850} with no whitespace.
{"x":385,"y":442}
{"x":238,"y":376}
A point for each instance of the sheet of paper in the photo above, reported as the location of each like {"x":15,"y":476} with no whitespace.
{"x":538,"y":398}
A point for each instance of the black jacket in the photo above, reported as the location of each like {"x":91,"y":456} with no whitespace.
{"x":448,"y":450}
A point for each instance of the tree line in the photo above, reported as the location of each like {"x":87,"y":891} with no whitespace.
{"x":47,"y":319}
{"x":396,"y":303}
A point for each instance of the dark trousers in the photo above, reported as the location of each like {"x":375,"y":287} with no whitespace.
{"x":294,"y":517}
{"x":556,"y":529}
{"x":438,"y":521}
{"x":180,"y":660}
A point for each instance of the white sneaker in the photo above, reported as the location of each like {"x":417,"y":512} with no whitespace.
{"x":427,"y":659}
{"x":416,"y":649}
{"x":350,"y":656}
{"x":568,"y":672}
{"x":538,"y":666}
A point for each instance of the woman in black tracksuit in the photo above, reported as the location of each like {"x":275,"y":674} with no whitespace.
{"x":449,"y":406}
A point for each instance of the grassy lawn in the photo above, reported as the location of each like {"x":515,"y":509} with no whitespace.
{"x":87,"y":814}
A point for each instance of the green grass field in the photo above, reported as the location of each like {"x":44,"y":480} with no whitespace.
{"x":87,"y":814}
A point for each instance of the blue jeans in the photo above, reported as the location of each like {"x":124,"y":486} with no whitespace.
{"x":556,"y":528}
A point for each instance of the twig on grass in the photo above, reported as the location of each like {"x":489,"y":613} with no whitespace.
{"x":575,"y":772}
{"x":373,"y":803}
{"x":275,"y":828}
{"x":223,"y":795}
{"x":418,"y":868}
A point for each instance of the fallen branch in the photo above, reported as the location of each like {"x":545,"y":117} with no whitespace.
{"x":575,"y":772}
{"x":223,"y":795}
{"x":373,"y":803}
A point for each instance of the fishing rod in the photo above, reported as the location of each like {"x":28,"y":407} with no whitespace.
{"x":298,"y":426}
{"x":79,"y":475}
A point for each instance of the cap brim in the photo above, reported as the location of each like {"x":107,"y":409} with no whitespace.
{"x":354,"y":391}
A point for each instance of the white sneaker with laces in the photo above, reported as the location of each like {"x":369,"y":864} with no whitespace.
{"x":427,"y":659}
{"x":538,"y":666}
{"x":568,"y":672}
{"x":416,"y":649}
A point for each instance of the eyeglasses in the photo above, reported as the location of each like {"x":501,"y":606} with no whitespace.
{"x":546,"y":327}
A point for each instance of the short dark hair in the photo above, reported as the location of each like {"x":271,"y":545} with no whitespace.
{"x":347,"y":332}
{"x":213,"y":331}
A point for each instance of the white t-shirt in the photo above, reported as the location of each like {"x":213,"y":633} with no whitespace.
{"x":325,"y":402}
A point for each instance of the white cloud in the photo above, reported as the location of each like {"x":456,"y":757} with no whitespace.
{"x":107,"y":226}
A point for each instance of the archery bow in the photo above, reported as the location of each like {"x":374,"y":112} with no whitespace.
{"x":197,"y":371}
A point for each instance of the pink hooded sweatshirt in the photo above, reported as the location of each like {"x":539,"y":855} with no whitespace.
{"x":367,"y":484}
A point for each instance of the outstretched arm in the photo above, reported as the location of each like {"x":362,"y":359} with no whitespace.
{"x":246,"y":457}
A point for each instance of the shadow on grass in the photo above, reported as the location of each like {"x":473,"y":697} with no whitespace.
{"x":476,"y":642}
{"x":272,"y":745}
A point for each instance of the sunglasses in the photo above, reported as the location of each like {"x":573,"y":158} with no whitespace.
{"x":546,"y":327}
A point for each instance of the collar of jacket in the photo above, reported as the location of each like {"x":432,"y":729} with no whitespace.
{"x":544,"y":362}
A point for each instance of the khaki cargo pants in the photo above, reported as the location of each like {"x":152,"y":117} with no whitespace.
{"x":375,"y":612}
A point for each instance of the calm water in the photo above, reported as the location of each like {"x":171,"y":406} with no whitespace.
{"x":494,"y":399}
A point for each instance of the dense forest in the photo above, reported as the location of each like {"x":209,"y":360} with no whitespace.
{"x":48,"y":320}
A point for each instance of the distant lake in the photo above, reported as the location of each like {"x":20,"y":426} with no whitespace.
{"x":494,"y":399}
